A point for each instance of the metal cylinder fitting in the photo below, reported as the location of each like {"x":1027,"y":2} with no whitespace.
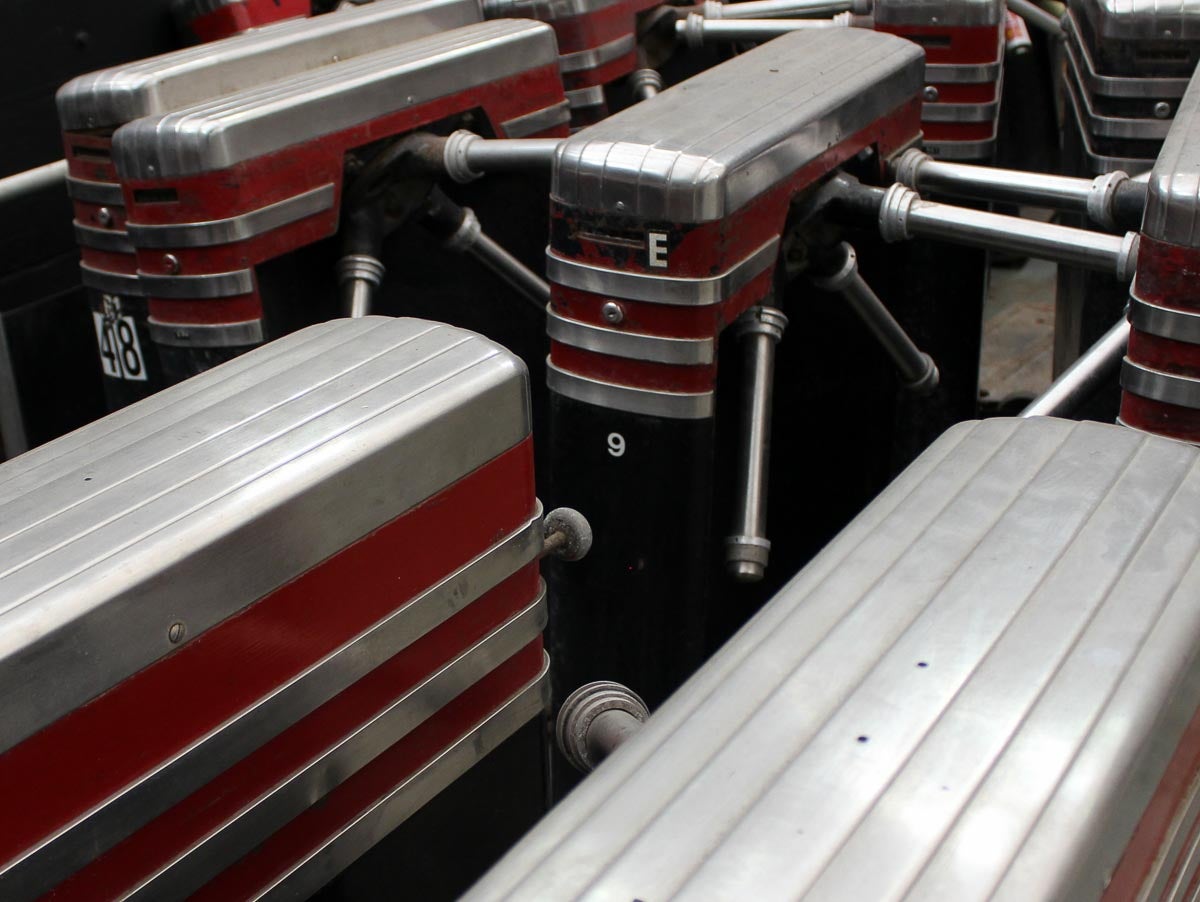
{"x":1101,"y":199}
{"x":454,"y":156}
{"x":747,"y":549}
{"x":595,"y":719}
{"x":645,"y":83}
{"x":358,"y":276}
{"x":566,"y":534}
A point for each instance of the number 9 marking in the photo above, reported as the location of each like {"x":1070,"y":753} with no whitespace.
{"x":616,"y":444}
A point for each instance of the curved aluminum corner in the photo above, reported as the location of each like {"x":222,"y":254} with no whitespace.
{"x":1173,"y":197}
{"x":700,"y":150}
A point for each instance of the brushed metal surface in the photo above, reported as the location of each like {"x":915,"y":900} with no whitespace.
{"x":195,"y":503}
{"x":263,"y":118}
{"x":1141,"y":19}
{"x":970,"y":693}
{"x":121,"y":94}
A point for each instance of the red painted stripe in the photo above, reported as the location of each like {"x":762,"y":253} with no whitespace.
{"x":1146,"y":843}
{"x":289,"y":171}
{"x":123,"y":868}
{"x":1168,"y":274}
{"x":238,"y":17}
{"x":207,"y":311}
{"x":958,"y":131}
{"x":98,"y":749}
{"x":308,"y":831}
{"x":594,"y":29}
{"x":954,"y":45}
{"x":1171,"y":420}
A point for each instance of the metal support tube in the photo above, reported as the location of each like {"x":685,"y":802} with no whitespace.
{"x":1036,"y":16}
{"x":903,"y":215}
{"x":467,"y":156}
{"x":1097,"y":198}
{"x":696,"y":30}
{"x":917,"y":369}
{"x":779,"y":9}
{"x":1083,"y":378}
{"x":747,"y":549}
{"x":31,"y":181}
{"x":471,"y":239}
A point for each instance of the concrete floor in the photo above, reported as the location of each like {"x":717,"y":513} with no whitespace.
{"x":1018,"y":331}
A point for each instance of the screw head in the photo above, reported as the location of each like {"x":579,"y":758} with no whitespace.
{"x":171,"y":262}
{"x":104,"y":216}
{"x":612,"y":312}
{"x":930,"y":94}
{"x":176,"y":631}
{"x":1162,"y":110}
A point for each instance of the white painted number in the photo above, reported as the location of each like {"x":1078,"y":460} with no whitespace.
{"x":616,"y":444}
{"x":120,"y":350}
{"x":657,"y":243}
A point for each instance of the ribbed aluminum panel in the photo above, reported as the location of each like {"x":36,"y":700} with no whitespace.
{"x":958,"y":13}
{"x":701,"y":149}
{"x":1173,"y":198}
{"x":971,"y":693}
{"x":112,"y":97}
{"x":207,"y":496}
{"x":1142,"y":19}
{"x":265,"y":118}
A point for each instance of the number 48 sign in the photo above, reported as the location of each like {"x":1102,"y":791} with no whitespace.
{"x":120,"y":351}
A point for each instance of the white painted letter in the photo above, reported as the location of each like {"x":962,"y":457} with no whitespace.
{"x":658,"y":249}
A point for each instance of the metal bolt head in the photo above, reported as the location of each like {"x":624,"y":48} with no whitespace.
{"x":930,"y":94}
{"x":612,"y":312}
{"x":176,"y":631}
{"x":104,"y":216}
{"x":1162,"y":110}
{"x":171,"y":264}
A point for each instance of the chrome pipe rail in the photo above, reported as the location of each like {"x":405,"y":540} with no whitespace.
{"x":14,"y":187}
{"x":1083,"y":378}
{"x":903,"y":214}
{"x":696,"y":30}
{"x":1037,"y":17}
{"x":780,"y":9}
{"x":1097,"y":198}
{"x":466,"y":156}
